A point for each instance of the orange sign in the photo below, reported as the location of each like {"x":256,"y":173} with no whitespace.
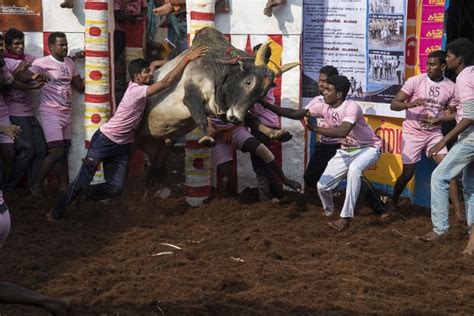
{"x":25,"y":15}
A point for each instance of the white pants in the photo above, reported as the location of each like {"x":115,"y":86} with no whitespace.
{"x":345,"y":163}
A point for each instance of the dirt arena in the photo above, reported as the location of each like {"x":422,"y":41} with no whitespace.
{"x":238,"y":257}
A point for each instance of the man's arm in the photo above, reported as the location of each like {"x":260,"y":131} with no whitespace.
{"x":467,"y":121}
{"x":399,"y":102}
{"x":176,"y":73}
{"x":335,"y":132}
{"x":27,"y":86}
{"x":78,"y":83}
{"x":285,"y":112}
{"x":460,"y":127}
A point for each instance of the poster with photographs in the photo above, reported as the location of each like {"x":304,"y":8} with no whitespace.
{"x":364,"y":40}
{"x":25,"y":15}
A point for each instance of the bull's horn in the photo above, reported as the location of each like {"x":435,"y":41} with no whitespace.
{"x":277,"y":70}
{"x":289,"y":66}
{"x":260,"y":56}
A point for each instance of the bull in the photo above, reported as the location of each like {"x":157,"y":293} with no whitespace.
{"x":224,"y":83}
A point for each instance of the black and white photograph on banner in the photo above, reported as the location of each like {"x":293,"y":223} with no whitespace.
{"x":385,"y":67}
{"x":356,"y":90}
{"x":386,"y":6}
{"x":386,"y":31}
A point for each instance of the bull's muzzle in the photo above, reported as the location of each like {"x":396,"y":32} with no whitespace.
{"x":233,"y":117}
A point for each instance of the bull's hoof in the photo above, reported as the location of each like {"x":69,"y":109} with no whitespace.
{"x":207,"y":141}
{"x":169,"y":142}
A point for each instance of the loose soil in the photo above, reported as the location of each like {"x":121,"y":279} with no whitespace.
{"x":238,"y":257}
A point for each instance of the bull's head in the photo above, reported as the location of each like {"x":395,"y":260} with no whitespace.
{"x":248,"y":83}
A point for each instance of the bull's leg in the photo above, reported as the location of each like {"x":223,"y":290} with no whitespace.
{"x":150,"y":148}
{"x":156,"y":172}
{"x":194,"y":102}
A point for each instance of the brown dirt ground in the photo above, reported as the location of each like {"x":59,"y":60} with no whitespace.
{"x":102,"y":257}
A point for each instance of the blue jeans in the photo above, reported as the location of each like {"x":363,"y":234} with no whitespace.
{"x":115,"y":162}
{"x":459,"y":159}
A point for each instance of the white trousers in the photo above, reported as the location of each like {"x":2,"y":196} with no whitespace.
{"x":350,"y":164}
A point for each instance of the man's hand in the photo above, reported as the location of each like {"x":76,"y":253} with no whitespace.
{"x":21,"y":67}
{"x":38,"y":77}
{"x":196,"y":52}
{"x":36,"y":84}
{"x":11,"y":130}
{"x":436,"y":148}
{"x":308,"y":124}
{"x":417,"y":102}
{"x":429,"y":122}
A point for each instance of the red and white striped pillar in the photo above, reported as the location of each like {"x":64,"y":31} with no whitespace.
{"x":97,"y":80}
{"x":197,"y":157}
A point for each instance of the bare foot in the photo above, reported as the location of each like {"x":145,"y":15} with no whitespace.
{"x":67,"y":4}
{"x":50,"y":217}
{"x":341,"y":224}
{"x":164,"y":9}
{"x":431,"y":236}
{"x":60,"y":306}
{"x":469,"y":250}
{"x":281,"y":135}
{"x":207,"y":141}
{"x":292,"y":184}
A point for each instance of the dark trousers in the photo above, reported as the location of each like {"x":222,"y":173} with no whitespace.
{"x":269,"y":185}
{"x":119,"y":44}
{"x":30,"y":150}
{"x":115,"y":163}
{"x":318,"y":163}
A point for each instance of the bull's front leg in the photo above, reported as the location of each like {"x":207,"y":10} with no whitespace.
{"x":194,"y":102}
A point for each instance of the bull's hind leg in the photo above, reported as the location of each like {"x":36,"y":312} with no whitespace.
{"x":193,"y":101}
{"x":157,"y":153}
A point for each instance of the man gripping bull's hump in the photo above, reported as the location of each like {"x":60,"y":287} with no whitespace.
{"x":111,"y":143}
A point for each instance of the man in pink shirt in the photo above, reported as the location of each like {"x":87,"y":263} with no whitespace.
{"x":360,"y":148}
{"x":6,"y":138}
{"x":230,"y":137}
{"x":424,"y":97}
{"x":460,"y":159}
{"x":111,"y":143}
{"x":30,"y":146}
{"x":55,"y":108}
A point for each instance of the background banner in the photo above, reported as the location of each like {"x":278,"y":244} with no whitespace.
{"x":365,"y":40}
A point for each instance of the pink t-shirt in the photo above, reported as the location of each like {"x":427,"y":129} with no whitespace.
{"x":437,"y":95}
{"x":56,"y":94}
{"x":128,"y":7}
{"x":349,"y":111}
{"x":267,"y":117}
{"x":122,"y":126}
{"x":5,"y":76}
{"x":465,"y":94}
{"x":19,"y":102}
{"x":319,"y":101}
{"x":464,"y":89}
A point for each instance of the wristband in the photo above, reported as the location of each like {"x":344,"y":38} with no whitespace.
{"x":186,"y":60}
